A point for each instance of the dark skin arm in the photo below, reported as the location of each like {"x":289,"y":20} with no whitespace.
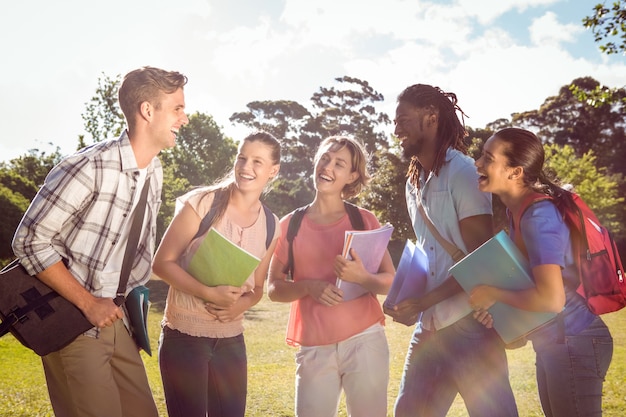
{"x":475,"y":231}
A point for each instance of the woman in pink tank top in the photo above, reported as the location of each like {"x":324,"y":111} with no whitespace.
{"x":341,"y":343}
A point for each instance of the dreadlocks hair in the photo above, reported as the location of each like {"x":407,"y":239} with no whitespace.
{"x":451,"y":131}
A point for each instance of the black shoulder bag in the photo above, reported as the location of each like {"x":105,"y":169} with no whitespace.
{"x":37,"y":316}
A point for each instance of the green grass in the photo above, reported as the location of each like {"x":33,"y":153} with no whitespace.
{"x":271,"y":368}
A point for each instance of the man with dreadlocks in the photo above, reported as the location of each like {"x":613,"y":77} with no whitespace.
{"x":450,"y":352}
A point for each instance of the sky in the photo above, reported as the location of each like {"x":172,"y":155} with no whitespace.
{"x":499,"y":56}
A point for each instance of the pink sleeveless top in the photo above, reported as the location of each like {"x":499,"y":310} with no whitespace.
{"x":186,"y":313}
{"x":315,"y":248}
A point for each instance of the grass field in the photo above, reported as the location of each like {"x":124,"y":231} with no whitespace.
{"x":271,"y":368}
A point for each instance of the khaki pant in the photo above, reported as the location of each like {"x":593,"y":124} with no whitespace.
{"x":102,"y":377}
{"x":358,"y":365}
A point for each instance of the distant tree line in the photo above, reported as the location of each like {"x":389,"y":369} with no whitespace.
{"x":582,"y":127}
{"x":585,"y":144}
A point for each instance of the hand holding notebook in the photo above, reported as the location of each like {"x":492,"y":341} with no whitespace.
{"x":370,"y":246}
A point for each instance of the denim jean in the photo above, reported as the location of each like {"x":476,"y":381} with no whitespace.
{"x":202,"y":375}
{"x":570,"y":374}
{"x":464,"y":358}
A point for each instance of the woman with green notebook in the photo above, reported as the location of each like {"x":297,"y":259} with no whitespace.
{"x":202,"y":354}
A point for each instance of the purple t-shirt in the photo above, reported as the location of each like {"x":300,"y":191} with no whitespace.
{"x":547,"y":241}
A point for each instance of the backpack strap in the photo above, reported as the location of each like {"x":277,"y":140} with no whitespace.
{"x":292,"y":231}
{"x":356,"y":220}
{"x":270,"y":224}
{"x":207,"y":221}
{"x":354,"y":214}
{"x":528,"y":201}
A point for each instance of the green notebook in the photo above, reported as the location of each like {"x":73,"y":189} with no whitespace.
{"x":218,"y":261}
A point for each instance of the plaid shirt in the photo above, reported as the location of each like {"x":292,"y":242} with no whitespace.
{"x":79,"y":212}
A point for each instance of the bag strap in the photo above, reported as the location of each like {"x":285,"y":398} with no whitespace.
{"x":528,"y":201}
{"x":292,"y":231}
{"x":209,"y":218}
{"x":270,"y":224}
{"x":354,"y":214}
{"x":456,"y":253}
{"x":356,"y":220}
{"x":131,"y":245}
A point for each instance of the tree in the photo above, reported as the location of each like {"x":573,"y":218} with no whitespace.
{"x":33,"y":165}
{"x":17,"y":183}
{"x":350,"y":109}
{"x":347,"y":108}
{"x":20,"y":179}
{"x":609,"y":27}
{"x":285,"y":195}
{"x":385,"y":194}
{"x":12,"y":205}
{"x":564,"y":120}
{"x":103,"y":117}
{"x":202,"y":152}
{"x":599,"y":190}
{"x":202,"y":155}
{"x":599,"y":96}
{"x":173,"y":187}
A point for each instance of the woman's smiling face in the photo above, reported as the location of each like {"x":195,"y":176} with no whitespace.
{"x":493,"y":167}
{"x":334,"y":170}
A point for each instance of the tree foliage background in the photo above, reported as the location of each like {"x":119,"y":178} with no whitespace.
{"x":583,"y":128}
{"x":585,"y":144}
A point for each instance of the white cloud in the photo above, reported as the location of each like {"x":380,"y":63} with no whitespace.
{"x":240,"y":51}
{"x":546,"y":30}
{"x":248,"y":52}
{"x":485,"y":11}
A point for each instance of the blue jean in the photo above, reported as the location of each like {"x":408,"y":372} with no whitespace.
{"x":203,"y":376}
{"x":570,"y":375}
{"x":464,"y":358}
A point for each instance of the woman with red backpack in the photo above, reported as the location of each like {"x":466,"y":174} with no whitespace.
{"x":574,"y":351}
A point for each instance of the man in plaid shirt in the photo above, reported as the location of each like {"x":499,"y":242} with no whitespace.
{"x":73,"y":237}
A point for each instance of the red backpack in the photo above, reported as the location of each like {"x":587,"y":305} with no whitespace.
{"x":599,"y":265}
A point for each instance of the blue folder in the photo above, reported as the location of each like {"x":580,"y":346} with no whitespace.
{"x":411,"y":275}
{"x":499,"y":263}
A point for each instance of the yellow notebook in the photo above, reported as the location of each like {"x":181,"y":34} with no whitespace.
{"x":218,"y":261}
